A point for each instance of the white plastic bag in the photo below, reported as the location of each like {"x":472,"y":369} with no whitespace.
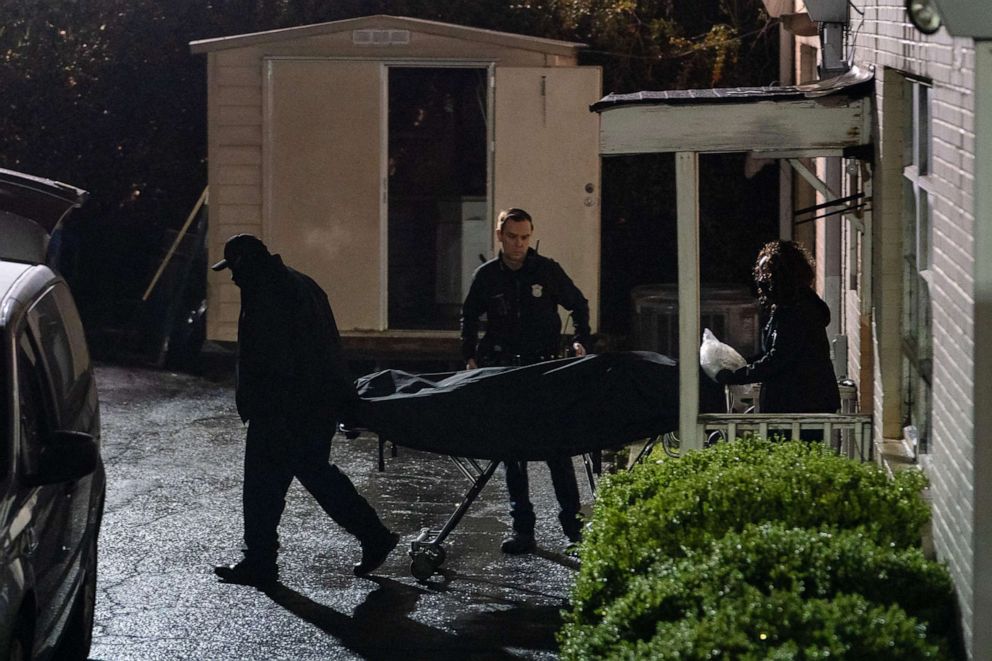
{"x":714,"y":355}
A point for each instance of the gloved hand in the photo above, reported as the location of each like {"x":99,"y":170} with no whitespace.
{"x":350,"y":424}
{"x":724,"y":377}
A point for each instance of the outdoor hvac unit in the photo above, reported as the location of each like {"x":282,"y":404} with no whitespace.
{"x":729,"y":311}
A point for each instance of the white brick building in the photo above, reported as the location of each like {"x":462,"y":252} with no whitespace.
{"x":929,"y":318}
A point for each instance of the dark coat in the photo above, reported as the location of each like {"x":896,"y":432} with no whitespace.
{"x":794,"y":367}
{"x":521,"y":309}
{"x":290,"y":361}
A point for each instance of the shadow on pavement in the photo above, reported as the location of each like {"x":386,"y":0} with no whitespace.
{"x":380,"y":627}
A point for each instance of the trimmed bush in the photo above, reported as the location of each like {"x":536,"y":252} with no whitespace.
{"x":665,"y":509}
{"x":771,"y":591}
{"x":780,"y":625}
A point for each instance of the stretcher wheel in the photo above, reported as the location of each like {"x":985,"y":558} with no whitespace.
{"x":425,"y":561}
{"x":422,"y":568}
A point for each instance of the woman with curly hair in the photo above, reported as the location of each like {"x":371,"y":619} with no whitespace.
{"x":794,"y":366}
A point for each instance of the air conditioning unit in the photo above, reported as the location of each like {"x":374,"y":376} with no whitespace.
{"x":730,"y":311}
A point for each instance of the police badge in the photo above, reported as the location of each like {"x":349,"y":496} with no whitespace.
{"x":536,"y":291}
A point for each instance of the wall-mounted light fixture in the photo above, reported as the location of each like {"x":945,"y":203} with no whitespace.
{"x":923,"y":15}
{"x":965,"y":18}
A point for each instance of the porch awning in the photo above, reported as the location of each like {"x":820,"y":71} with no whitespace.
{"x":819,"y":119}
{"x":827,"y":118}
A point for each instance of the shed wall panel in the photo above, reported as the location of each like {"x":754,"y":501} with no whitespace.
{"x":240,"y":76}
{"x":239,"y":115}
{"x":238,"y":95}
{"x":239,"y":135}
{"x":240,"y":175}
{"x":322,"y":180}
{"x":245,"y":215}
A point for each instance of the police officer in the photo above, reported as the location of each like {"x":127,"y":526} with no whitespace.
{"x":519,"y":292}
{"x":292,"y":387}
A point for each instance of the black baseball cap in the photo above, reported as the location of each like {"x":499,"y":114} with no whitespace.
{"x":241,"y":249}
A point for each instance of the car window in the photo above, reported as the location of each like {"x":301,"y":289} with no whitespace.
{"x":5,"y":427}
{"x":60,"y":336}
{"x":34,"y":423}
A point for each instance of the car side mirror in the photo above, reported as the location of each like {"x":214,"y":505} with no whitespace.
{"x":65,"y":456}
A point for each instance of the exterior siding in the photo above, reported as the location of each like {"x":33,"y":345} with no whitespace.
{"x":235,"y":171}
{"x":893,"y":45}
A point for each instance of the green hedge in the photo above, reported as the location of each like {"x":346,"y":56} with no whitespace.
{"x":771,"y":591}
{"x":836,"y":530}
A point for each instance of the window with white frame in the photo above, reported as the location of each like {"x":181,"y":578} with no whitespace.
{"x":917,"y":351}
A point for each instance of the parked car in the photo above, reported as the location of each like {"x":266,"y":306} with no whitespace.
{"x":52,"y":483}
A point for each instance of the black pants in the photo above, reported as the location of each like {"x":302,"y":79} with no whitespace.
{"x":566,"y":490}
{"x":562,"y":471}
{"x":278,"y":450}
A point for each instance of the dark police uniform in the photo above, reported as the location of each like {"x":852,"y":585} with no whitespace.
{"x":522,"y":328}
{"x":521,"y":308}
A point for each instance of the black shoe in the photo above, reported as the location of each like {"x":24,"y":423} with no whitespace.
{"x":574,"y":536}
{"x":518,"y":542}
{"x":375,"y":553}
{"x":249,"y":573}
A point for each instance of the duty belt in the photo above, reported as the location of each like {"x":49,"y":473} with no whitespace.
{"x":507,"y":359}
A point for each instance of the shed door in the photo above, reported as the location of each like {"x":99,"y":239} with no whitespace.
{"x":547,"y":162}
{"x":322,"y":173}
{"x":438,"y":221}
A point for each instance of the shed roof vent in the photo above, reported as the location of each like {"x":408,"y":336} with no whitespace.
{"x":380,"y":37}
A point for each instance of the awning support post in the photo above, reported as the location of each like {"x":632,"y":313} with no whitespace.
{"x":687,"y":206}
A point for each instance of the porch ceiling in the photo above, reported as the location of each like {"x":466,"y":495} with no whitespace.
{"x":820,"y":119}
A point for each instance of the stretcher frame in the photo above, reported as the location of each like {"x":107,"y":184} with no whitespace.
{"x":427,"y":552}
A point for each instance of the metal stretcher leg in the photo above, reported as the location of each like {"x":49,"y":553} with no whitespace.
{"x":382,"y":453}
{"x":590,"y":464}
{"x":426,"y":552}
{"x":645,"y":451}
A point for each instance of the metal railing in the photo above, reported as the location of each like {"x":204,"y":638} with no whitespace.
{"x":849,"y":434}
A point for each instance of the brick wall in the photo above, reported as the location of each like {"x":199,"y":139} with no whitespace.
{"x":885,"y":38}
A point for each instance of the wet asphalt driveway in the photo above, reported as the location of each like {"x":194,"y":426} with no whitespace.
{"x":173,"y":451}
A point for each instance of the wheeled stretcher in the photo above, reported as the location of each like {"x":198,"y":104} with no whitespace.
{"x":427,"y":552}
{"x":478,"y":418}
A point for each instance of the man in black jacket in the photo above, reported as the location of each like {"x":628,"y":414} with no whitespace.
{"x":292,"y":388}
{"x":519,"y":292}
